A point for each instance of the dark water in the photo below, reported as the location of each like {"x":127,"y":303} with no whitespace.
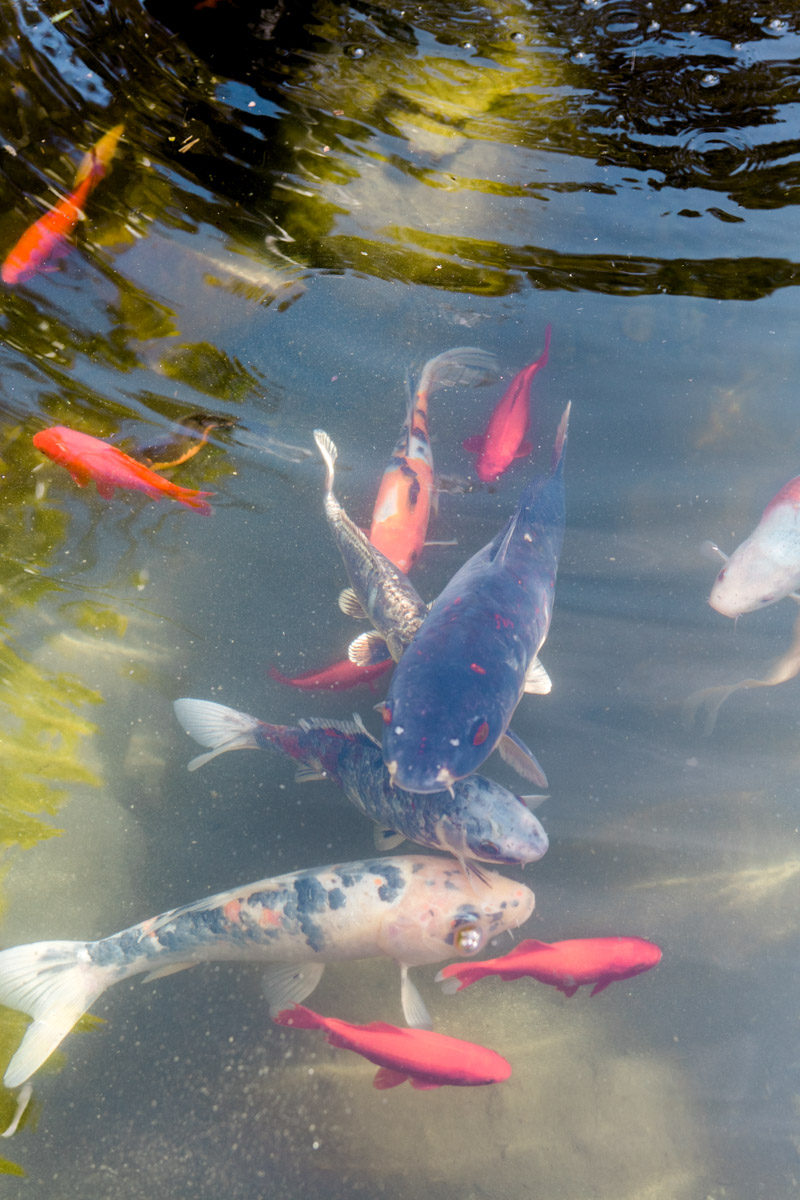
{"x":306,"y":206}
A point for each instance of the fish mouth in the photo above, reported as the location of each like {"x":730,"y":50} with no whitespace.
{"x":445,"y":779}
{"x":391,"y":768}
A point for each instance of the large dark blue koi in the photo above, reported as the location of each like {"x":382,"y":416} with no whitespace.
{"x":455,"y":689}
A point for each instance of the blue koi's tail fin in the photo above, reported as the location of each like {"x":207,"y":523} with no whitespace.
{"x":217,"y":726}
{"x":54,"y":983}
{"x":464,"y":366}
{"x":561,"y":440}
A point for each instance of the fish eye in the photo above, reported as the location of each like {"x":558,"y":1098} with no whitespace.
{"x":467,"y":938}
{"x":480,"y":731}
{"x":766,"y":599}
{"x":721,"y":575}
{"x":488,"y":847}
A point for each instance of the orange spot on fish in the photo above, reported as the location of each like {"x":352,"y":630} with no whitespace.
{"x":233,"y":911}
{"x":477,"y":669}
{"x":269,"y":917}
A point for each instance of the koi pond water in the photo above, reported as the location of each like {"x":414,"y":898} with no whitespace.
{"x":305,"y":205}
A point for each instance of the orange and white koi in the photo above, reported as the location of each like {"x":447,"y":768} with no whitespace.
{"x":87,"y":457}
{"x":403,"y":504}
{"x":46,"y":240}
{"x":410,"y":908}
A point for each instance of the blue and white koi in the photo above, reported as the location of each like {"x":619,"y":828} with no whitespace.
{"x":379,"y":590}
{"x":455,"y":690}
{"x":410,"y":908}
{"x":766,"y":566}
{"x":480,"y":821}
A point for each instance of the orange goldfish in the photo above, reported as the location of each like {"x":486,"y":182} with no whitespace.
{"x":87,"y":457}
{"x":46,"y":239}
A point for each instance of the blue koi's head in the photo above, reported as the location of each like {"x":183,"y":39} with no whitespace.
{"x":424,"y":752}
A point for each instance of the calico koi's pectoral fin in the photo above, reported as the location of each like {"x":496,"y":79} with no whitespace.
{"x":350,"y":604}
{"x":368,"y":649}
{"x":387,"y":839}
{"x":414,"y":1010}
{"x":517,"y":755}
{"x":288,"y":984}
{"x":537,"y":681}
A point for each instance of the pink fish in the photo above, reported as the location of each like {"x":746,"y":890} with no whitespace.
{"x":565,"y":965}
{"x":424,"y":1058}
{"x":506,"y":436}
{"x":766,"y":566}
{"x":87,"y":457}
{"x":337,"y":677}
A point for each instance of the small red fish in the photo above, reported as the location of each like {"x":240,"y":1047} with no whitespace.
{"x":506,"y":436}
{"x":336,"y":678}
{"x":425,"y":1059}
{"x":87,"y":457}
{"x":565,"y":965}
{"x":46,"y":239}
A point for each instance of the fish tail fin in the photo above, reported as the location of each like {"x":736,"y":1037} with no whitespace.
{"x":466,"y":366}
{"x":195,"y":500}
{"x":329,"y":453}
{"x":299,"y":1017}
{"x":54,"y":983}
{"x":561,"y":439}
{"x":97,"y":160}
{"x":216,"y":726}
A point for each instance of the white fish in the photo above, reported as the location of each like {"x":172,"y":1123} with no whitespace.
{"x":765,"y":567}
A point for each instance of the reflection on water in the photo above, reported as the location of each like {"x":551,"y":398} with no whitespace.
{"x":308,"y":204}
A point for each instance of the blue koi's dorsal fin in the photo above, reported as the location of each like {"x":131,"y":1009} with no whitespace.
{"x":561,"y":440}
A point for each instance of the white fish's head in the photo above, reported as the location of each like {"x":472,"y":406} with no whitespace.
{"x":447,"y":914}
{"x":757,"y":574}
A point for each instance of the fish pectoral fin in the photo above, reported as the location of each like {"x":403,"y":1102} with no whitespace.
{"x":537,"y":681}
{"x":385,"y":1077}
{"x":368,"y":649}
{"x":474,"y":444}
{"x":105,"y":489}
{"x":600,"y":986}
{"x":711,"y":550}
{"x":82,"y":476}
{"x":414,"y":1010}
{"x":525,"y":448}
{"x":350,"y":604}
{"x":387,"y":839}
{"x":287,"y":984}
{"x":452,"y":542}
{"x":309,"y":774}
{"x":517,"y":755}
{"x":532,"y":801}
{"x":163,"y":972}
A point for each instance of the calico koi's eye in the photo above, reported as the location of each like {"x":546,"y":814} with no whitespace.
{"x":480,"y":732}
{"x":468,"y":938}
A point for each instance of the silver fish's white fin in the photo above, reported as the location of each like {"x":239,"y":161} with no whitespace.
{"x":537,"y":681}
{"x":414,"y":1010}
{"x":23,"y":1100}
{"x":386,"y":839}
{"x":452,"y":542}
{"x":533,"y":801}
{"x":350,"y":604}
{"x":450,"y":985}
{"x":329,"y":453}
{"x":54,"y":983}
{"x":711,"y":550}
{"x":368,"y":649}
{"x":287,"y":984}
{"x":309,"y":774}
{"x":517,"y":755}
{"x":163,"y":972}
{"x":217,"y":726}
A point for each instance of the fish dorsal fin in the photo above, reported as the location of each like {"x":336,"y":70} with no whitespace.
{"x":286,"y":984}
{"x":537,"y":681}
{"x":309,"y":774}
{"x":414,"y":1010}
{"x":351,"y":728}
{"x":368,"y":649}
{"x":514,"y":751}
{"x":528,"y":945}
{"x":387,"y":839}
{"x":350,"y":604}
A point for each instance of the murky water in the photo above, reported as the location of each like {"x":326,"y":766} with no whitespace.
{"x":305,"y":208}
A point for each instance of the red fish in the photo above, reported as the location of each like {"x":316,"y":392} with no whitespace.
{"x":424,"y":1058}
{"x":46,"y":239}
{"x":403,"y":504}
{"x":506,"y":436}
{"x":335,"y":678}
{"x":565,"y":965}
{"x":87,"y":457}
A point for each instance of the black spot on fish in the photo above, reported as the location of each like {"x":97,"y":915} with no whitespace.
{"x":311,"y":898}
{"x":336,"y":898}
{"x":393,"y":887}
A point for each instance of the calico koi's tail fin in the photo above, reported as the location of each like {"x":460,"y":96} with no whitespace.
{"x":54,"y":983}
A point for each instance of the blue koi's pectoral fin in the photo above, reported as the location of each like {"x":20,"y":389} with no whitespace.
{"x":537,"y":681}
{"x":514,"y":751}
{"x":288,"y":984}
{"x":350,"y":604}
{"x":368,"y":649}
{"x":533,"y":801}
{"x":414,"y":1010}
{"x":387,"y":839}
